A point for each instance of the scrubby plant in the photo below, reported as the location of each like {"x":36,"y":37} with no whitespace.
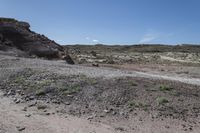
{"x":165,"y":88}
{"x":162,"y":100}
{"x":72,"y":89}
{"x":133,"y":104}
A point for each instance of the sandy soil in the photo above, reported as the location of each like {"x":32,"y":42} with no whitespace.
{"x":13,"y":118}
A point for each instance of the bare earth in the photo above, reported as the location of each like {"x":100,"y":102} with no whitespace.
{"x":13,"y":118}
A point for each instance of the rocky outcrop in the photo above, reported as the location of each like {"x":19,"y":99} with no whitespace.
{"x":17,"y":34}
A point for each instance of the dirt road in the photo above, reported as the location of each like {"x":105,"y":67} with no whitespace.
{"x":10,"y":64}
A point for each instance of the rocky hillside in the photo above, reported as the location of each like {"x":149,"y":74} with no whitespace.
{"x":17,"y":37}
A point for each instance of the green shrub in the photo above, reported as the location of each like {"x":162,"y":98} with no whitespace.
{"x":162,"y":100}
{"x":165,"y":88}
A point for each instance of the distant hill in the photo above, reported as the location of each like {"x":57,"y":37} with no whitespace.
{"x":189,"y":48}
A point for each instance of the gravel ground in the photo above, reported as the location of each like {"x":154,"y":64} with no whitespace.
{"x":111,"y":86}
{"x":10,"y":63}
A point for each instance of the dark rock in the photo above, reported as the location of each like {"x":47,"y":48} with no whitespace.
{"x":20,"y":128}
{"x":28,"y":115}
{"x":32,"y":104}
{"x":11,"y":92}
{"x":41,"y":107}
{"x":95,"y":64}
{"x":93,"y":53}
{"x":47,"y":113}
{"x":68,"y":59}
{"x":24,"y":109}
{"x":17,"y":35}
{"x":17,"y":100}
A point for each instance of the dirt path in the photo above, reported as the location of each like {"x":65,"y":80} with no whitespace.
{"x":12,"y":117}
{"x":10,"y":64}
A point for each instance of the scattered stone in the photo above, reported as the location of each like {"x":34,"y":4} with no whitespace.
{"x":11,"y":92}
{"x":106,"y":110}
{"x":67,"y":103}
{"x":121,"y":113}
{"x":28,"y":115}
{"x":101,"y":115}
{"x":32,"y":104}
{"x":95,"y":65}
{"x":68,"y":59}
{"x":17,"y":101}
{"x":93,"y":53}
{"x":41,"y":107}
{"x":47,"y":113}
{"x":24,"y":109}
{"x":31,"y":97}
{"x":114,"y":113}
{"x":120,"y":129}
{"x":20,"y":128}
{"x":166,"y":126}
{"x":18,"y":91}
{"x":90,"y":117}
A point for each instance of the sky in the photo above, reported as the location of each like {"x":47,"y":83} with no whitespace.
{"x":124,"y":22}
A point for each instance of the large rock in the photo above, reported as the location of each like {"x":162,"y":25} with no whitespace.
{"x":16,"y":34}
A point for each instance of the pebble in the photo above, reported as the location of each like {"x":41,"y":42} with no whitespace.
{"x":47,"y":113}
{"x":24,"y":109}
{"x":28,"y":115}
{"x":106,"y":110}
{"x":17,"y":101}
{"x":21,"y":128}
{"x":90,"y":117}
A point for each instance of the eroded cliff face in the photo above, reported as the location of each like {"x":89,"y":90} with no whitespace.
{"x":17,"y":35}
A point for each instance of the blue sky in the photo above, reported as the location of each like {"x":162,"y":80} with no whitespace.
{"x":110,"y":21}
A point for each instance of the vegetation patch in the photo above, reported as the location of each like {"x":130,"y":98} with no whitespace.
{"x":72,"y":89}
{"x":133,"y":104}
{"x":165,"y":88}
{"x":162,"y":100}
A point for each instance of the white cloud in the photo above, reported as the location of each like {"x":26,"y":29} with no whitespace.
{"x":147,"y":38}
{"x":91,"y":40}
{"x":94,"y":40}
{"x":87,"y":38}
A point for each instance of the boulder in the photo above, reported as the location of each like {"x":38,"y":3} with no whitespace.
{"x":17,"y":34}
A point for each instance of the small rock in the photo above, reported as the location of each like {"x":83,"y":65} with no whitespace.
{"x":24,"y":109}
{"x":166,"y":126}
{"x":17,"y":101}
{"x":28,"y":115}
{"x":18,"y":91}
{"x":183,"y":125}
{"x":31,"y":97}
{"x":106,"y":110}
{"x":32,"y":104}
{"x":90,"y":117}
{"x":67,"y":103}
{"x":101,"y":116}
{"x":41,"y":107}
{"x":47,"y":113}
{"x":95,"y":65}
{"x":121,"y":113}
{"x":11,"y":92}
{"x":114,"y":113}
{"x":21,"y":128}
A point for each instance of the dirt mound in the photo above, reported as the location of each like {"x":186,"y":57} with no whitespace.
{"x":17,"y":35}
